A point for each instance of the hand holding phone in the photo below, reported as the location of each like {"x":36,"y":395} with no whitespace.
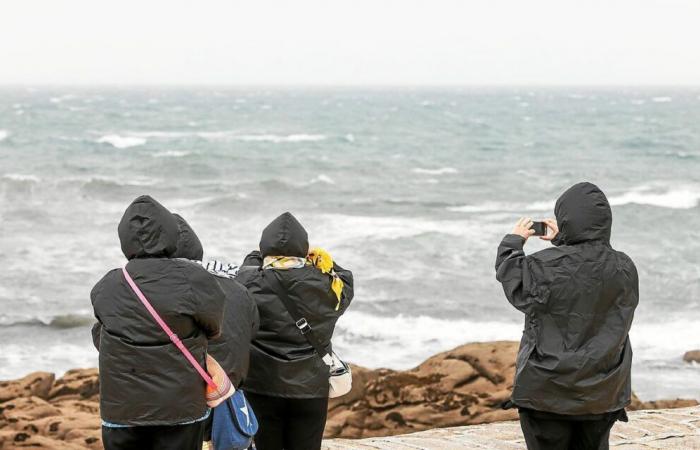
{"x":540,"y":228}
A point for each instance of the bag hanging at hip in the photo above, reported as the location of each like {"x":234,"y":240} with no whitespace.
{"x":340,"y":378}
{"x":234,"y":423}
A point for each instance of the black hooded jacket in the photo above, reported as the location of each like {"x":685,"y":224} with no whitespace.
{"x":241,"y":320}
{"x":144,"y":379}
{"x":579,"y":299}
{"x":283,"y":363}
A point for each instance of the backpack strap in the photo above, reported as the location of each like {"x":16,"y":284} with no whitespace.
{"x":171,"y":334}
{"x":272,"y":279}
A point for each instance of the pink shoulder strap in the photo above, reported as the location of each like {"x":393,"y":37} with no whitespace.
{"x":173,"y":337}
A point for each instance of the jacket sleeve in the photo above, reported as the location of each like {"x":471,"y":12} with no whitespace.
{"x":254,"y":314}
{"x":514,"y":271}
{"x":97,"y":327}
{"x":209,"y":301}
{"x":348,"y":290}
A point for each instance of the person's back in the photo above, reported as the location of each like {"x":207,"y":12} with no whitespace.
{"x":288,"y":381}
{"x":241,"y":320}
{"x":145,"y":382}
{"x":579,"y":299}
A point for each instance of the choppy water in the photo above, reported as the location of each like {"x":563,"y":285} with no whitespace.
{"x":411,"y":189}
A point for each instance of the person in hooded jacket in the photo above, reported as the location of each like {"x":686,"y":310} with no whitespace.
{"x":572,"y":379}
{"x":150,"y":395}
{"x":288,"y":381}
{"x":241,"y":319}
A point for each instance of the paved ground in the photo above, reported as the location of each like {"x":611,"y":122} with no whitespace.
{"x":663,"y":428}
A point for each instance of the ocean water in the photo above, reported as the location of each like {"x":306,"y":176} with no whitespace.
{"x":412,"y":189}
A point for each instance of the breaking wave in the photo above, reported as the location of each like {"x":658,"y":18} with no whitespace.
{"x":60,"y":321}
{"x":3,"y":135}
{"x":276,"y":139}
{"x":679,"y":198}
{"x":121,"y":142}
{"x":440,"y":171}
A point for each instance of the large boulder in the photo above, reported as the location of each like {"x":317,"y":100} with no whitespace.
{"x":463,"y":386}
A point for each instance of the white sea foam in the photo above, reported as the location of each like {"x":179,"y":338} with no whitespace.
{"x":338,"y":229}
{"x":676,"y":198}
{"x":4,"y":135}
{"x":661,"y":99}
{"x":171,"y":154}
{"x":324,"y":179}
{"x":440,"y":171}
{"x":504,"y":207}
{"x":401,"y":342}
{"x":275,"y":138}
{"x":22,"y":177}
{"x":121,"y":142}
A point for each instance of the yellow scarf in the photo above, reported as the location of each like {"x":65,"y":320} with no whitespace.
{"x":323,"y":261}
{"x":318,"y":258}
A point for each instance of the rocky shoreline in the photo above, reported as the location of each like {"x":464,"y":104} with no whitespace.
{"x":463,"y":386}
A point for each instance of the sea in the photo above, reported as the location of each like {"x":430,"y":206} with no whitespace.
{"x":410,"y":188}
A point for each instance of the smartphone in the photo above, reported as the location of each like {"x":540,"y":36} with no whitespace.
{"x":540,"y":228}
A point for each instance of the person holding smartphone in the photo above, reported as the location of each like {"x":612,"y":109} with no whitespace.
{"x":572,"y":379}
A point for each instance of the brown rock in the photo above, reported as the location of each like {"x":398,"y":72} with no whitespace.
{"x":637,"y":404}
{"x":37,"y":384}
{"x":463,"y":386}
{"x":78,"y":383}
{"x":692,"y":356}
{"x":27,"y":409}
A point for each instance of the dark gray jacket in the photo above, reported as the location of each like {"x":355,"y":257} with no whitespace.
{"x":283,"y":363}
{"x":579,"y":299}
{"x":144,"y":379}
{"x":241,"y":320}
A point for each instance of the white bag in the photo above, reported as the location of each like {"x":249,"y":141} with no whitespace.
{"x":340,"y":380}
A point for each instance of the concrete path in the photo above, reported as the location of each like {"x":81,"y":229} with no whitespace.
{"x":663,"y":428}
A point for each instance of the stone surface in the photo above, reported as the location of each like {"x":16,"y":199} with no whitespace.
{"x":657,"y":429}
{"x":42,"y":413}
{"x":692,"y":356}
{"x":463,"y":386}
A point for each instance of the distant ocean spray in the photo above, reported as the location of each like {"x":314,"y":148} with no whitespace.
{"x":412,"y":189}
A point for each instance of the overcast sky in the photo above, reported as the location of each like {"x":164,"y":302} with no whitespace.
{"x":350,"y":42}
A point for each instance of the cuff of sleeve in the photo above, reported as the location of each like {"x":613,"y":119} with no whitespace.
{"x":513,"y":241}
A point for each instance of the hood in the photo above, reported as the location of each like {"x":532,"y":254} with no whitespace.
{"x":284,"y":237}
{"x":188,"y":244}
{"x":583,"y":214}
{"x":147,"y":229}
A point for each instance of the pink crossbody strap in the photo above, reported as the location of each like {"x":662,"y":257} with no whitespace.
{"x":173,"y":337}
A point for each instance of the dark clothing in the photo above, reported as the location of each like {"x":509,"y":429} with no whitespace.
{"x":241,"y":320}
{"x":288,"y":423}
{"x":284,"y":236}
{"x":282,"y":362}
{"x":579,"y":299}
{"x":173,"y":437}
{"x":144,"y":379}
{"x":188,"y":244}
{"x":546,"y":431}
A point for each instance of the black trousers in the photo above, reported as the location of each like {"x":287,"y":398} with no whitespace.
{"x":174,"y":437}
{"x":289,"y":423}
{"x":547,"y":431}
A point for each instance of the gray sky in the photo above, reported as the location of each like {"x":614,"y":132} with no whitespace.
{"x":353,"y":42}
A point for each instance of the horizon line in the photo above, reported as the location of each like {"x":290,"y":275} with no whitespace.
{"x":348,"y":85}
